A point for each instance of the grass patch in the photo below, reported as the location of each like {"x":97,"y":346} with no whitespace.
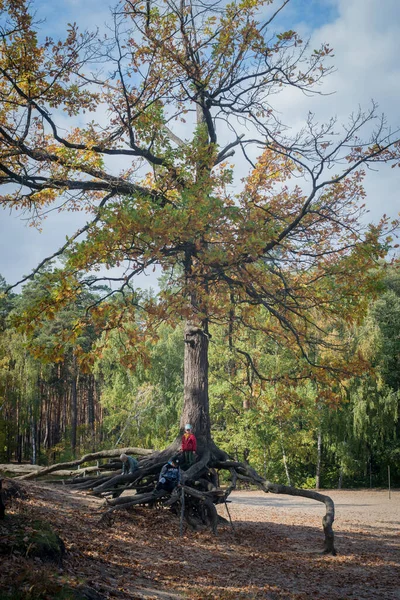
{"x":40,"y":583}
{"x":30,"y":538}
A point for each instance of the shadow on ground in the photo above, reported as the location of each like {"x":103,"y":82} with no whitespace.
{"x":140,"y":555}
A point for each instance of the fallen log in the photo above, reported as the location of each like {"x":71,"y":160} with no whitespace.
{"x":87,"y":458}
{"x":19,"y":468}
{"x":80,"y":475}
{"x":22,"y":469}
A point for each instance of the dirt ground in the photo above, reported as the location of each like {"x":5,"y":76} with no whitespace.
{"x":272,"y":553}
{"x":367,"y":538}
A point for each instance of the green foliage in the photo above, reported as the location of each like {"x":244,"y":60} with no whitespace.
{"x":264,"y":422}
{"x":386,"y":313}
{"x":362,"y":435}
{"x":142,"y":404}
{"x":271,"y":423}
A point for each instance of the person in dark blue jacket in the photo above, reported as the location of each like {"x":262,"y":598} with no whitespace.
{"x":170,"y":475}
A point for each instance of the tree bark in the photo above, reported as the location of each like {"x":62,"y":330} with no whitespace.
{"x":284,"y":456}
{"x":33,"y":434}
{"x":318,"y":469}
{"x":90,"y":392}
{"x":196,"y":402}
{"x":74,"y":405}
{"x":340,"y":478}
{"x":18,"y":468}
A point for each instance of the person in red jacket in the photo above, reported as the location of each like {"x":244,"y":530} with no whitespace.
{"x":189,"y":445}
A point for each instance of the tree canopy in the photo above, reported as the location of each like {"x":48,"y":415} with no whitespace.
{"x":184,"y":86}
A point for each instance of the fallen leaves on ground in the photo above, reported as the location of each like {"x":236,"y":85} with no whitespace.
{"x":271,"y":554}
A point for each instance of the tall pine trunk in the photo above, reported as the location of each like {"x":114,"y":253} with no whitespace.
{"x":284,"y":459}
{"x":90,"y":400}
{"x":74,"y":405}
{"x":318,"y":469}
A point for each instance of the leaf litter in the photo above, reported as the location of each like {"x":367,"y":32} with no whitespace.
{"x":273,"y":553}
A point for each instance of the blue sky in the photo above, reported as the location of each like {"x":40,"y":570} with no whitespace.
{"x":365,"y":35}
{"x":310,"y":14}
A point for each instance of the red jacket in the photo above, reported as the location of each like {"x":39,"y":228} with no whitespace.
{"x":189,"y":442}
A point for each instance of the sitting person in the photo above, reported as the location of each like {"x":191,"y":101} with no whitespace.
{"x":189,"y":445}
{"x":129,"y":464}
{"x":170,"y":475}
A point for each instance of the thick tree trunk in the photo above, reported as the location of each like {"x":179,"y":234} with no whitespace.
{"x":196,"y":404}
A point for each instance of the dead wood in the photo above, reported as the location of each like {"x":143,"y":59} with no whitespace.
{"x":18,"y":468}
{"x":87,"y":458}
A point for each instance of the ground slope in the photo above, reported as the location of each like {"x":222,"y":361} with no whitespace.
{"x":273,"y":552}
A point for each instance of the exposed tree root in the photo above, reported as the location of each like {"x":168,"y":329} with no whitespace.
{"x":243,"y":471}
{"x":199,"y":492}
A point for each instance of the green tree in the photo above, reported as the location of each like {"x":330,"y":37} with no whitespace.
{"x":361,"y":435}
{"x":290,"y":239}
{"x":51,"y":374}
{"x":142,"y":403}
{"x":386,"y":313}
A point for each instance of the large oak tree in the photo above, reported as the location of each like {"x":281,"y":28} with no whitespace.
{"x":185,"y":164}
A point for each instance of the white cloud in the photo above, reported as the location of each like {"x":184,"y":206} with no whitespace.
{"x":366,"y":39}
{"x":365,"y":36}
